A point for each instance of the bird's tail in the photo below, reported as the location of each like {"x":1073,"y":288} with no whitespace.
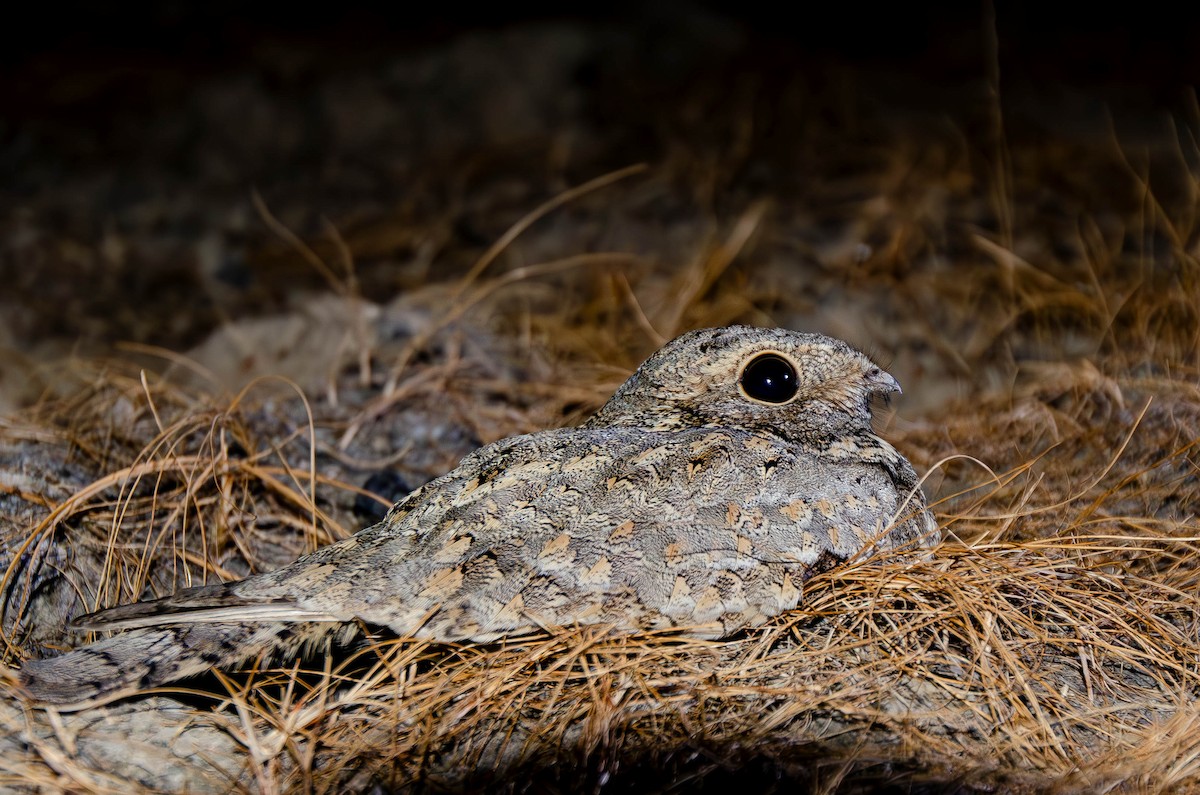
{"x":143,"y":658}
{"x":173,"y":637}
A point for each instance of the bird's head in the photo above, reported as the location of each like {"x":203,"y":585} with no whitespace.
{"x":751,"y":377}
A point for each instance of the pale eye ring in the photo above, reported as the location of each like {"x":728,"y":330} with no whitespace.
{"x":769,"y":378}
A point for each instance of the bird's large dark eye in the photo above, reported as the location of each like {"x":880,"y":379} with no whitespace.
{"x":770,"y":378}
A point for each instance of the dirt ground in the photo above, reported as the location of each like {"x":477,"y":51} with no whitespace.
{"x":261,"y":278}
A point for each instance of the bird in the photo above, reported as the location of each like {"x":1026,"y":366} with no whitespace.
{"x":731,"y":467}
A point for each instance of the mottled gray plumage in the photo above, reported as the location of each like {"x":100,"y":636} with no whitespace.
{"x":684,"y":502}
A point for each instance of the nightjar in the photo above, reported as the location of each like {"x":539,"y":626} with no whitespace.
{"x":731,"y":466}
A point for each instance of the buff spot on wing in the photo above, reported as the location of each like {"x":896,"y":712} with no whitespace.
{"x":556,"y":547}
{"x":680,"y":601}
{"x":442,"y":584}
{"x":599,"y":574}
{"x":622,"y":532}
{"x":709,"y":603}
{"x":512,"y":614}
{"x":789,"y":594}
{"x":453,"y":551}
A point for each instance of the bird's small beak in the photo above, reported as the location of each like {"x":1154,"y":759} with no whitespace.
{"x":885,"y":384}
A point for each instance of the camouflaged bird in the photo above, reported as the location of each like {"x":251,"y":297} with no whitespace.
{"x":729,"y":468}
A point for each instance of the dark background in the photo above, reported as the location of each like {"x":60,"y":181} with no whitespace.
{"x":84,"y":57}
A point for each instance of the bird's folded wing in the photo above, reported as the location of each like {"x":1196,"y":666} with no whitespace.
{"x":204,"y":604}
